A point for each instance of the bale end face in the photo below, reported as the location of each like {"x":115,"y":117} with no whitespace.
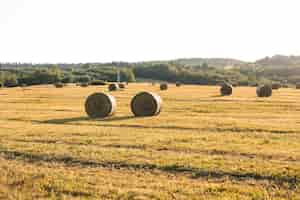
{"x":146,"y":104}
{"x":226,"y":90}
{"x":163,"y":86}
{"x":100,"y":105}
{"x":113,"y":87}
{"x":264,"y":91}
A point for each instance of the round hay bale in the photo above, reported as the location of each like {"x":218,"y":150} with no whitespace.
{"x":178,"y":84}
{"x":285,"y":86}
{"x":298,"y":86}
{"x":113,"y":87}
{"x":264,"y":91}
{"x":226,"y":89}
{"x":276,"y":86}
{"x":100,"y":105}
{"x":84,"y":84}
{"x":122,"y":85}
{"x":59,"y":85}
{"x":146,"y":104}
{"x":163,"y":86}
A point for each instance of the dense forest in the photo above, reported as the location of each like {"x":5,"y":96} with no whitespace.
{"x":279,"y":69}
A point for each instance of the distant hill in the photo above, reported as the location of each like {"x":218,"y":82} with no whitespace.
{"x":215,"y":62}
{"x":279,"y":60}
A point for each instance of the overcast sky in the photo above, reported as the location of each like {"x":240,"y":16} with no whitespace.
{"x":136,"y":30}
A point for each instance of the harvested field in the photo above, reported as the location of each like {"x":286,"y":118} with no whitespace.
{"x":201,"y":146}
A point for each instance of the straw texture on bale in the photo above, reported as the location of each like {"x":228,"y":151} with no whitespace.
{"x":264,"y":91}
{"x":113,"y":87}
{"x":276,"y":86}
{"x":163,"y":86}
{"x":146,"y":104}
{"x":59,"y":85}
{"x":226,"y":89}
{"x":100,"y":105}
{"x":122,"y":85}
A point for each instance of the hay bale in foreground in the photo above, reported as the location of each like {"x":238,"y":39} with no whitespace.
{"x":226,"y":89}
{"x":146,"y":104}
{"x":163,"y":86}
{"x":59,"y":85}
{"x":122,"y":85}
{"x":264,"y":91}
{"x":113,"y":87}
{"x":100,"y":105}
{"x":276,"y":86}
{"x":178,"y":84}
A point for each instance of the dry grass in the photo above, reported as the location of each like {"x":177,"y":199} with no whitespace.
{"x":202,"y":146}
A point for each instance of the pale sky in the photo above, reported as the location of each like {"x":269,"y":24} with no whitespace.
{"x":136,"y":30}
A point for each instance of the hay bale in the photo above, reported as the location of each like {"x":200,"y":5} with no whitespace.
{"x":178,"y":84}
{"x":122,"y":85}
{"x":298,"y":86}
{"x":163,"y":86}
{"x":100,"y":105}
{"x":146,"y":104}
{"x":276,"y":86}
{"x":59,"y":85}
{"x":84,"y":84}
{"x":113,"y":87}
{"x":264,"y":91}
{"x":285,"y":86}
{"x":226,"y":89}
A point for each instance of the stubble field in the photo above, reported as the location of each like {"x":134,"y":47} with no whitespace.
{"x":201,"y":146}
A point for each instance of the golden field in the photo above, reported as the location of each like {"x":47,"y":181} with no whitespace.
{"x":201,"y":146}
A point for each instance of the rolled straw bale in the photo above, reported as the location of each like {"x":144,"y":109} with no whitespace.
{"x":84,"y":84}
{"x":226,"y":89}
{"x":59,"y":85}
{"x":146,"y":104}
{"x":163,"y":86}
{"x":297,"y":85}
{"x":264,"y":91}
{"x":178,"y":84}
{"x":113,"y":87}
{"x":100,"y":105}
{"x":276,"y":86}
{"x":122,"y":85}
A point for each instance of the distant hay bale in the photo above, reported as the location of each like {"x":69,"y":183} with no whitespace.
{"x":298,"y":86}
{"x":146,"y":104}
{"x":178,"y":84}
{"x":226,"y":89}
{"x":276,"y":86}
{"x":59,"y":85}
{"x":264,"y":91}
{"x":163,"y":86}
{"x":100,"y":105}
{"x":113,"y":87}
{"x":153,"y":83}
{"x":122,"y":85}
{"x":85,"y":84}
{"x":285,"y":86}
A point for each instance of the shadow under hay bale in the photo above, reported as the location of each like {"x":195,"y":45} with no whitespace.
{"x":122,"y":85}
{"x":163,"y":86}
{"x":100,"y":105}
{"x":226,"y":89}
{"x":113,"y":87}
{"x":276,"y":86}
{"x":264,"y":91}
{"x":146,"y":104}
{"x":59,"y":85}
